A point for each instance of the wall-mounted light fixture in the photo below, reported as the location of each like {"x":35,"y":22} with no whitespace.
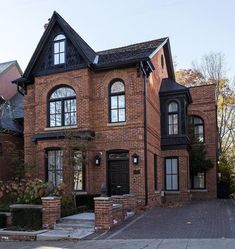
{"x":97,"y":160}
{"x":135,"y":158}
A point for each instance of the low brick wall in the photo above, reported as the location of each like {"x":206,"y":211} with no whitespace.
{"x":111,"y":211}
{"x":51,"y":211}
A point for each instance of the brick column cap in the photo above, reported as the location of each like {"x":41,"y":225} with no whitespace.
{"x":50,"y":198}
{"x":102,"y":198}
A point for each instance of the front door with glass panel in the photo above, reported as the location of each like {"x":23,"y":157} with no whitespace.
{"x":118,"y":173}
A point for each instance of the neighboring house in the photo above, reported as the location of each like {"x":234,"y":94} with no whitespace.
{"x":9,"y":71}
{"x":126,"y":102}
{"x":11,"y":120}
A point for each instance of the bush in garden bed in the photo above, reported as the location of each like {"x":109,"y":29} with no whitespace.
{"x":29,"y":219}
{"x":3,"y":220}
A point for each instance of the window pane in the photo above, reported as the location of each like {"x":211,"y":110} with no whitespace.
{"x":67,"y":119}
{"x":52,"y":107}
{"x":56,"y":47}
{"x":113,"y":102}
{"x":51,"y":160}
{"x":58,"y":107}
{"x":121,"y":101}
{"x":56,"y":59}
{"x":54,"y":165}
{"x":117,"y":87}
{"x":51,"y":176}
{"x":78,"y":171}
{"x":114,"y":116}
{"x":63,"y":92}
{"x":67,"y":105}
{"x":122,"y":115}
{"x":62,"y":46}
{"x":168,"y":166}
{"x":173,"y":107}
{"x":52,"y":120}
{"x":59,"y":177}
{"x":174,"y":166}
{"x":58,"y":120}
{"x":59,"y":37}
{"x":62,"y":58}
{"x":73,"y":105}
{"x":168,"y":182}
{"x":197,"y":120}
{"x":199,"y":180}
{"x":174,"y":182}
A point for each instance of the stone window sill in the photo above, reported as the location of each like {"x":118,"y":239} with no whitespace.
{"x":116,"y":124}
{"x":60,"y":128}
{"x":172,"y":192}
{"x":198,"y":190}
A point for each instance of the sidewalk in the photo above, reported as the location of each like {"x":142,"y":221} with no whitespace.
{"x":125,"y":244}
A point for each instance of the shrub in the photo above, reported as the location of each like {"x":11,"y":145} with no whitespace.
{"x":3,"y":220}
{"x":27,"y":218}
{"x":27,"y":191}
{"x":68,"y":207}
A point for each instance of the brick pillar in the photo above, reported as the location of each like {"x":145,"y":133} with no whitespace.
{"x":51,"y":211}
{"x":103,"y":213}
{"x":131,"y":202}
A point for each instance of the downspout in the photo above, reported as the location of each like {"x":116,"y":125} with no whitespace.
{"x":145,"y":134}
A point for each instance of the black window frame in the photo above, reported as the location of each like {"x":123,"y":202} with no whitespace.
{"x":171,"y":113}
{"x":192,"y":122}
{"x":122,"y":93}
{"x":54,"y":53}
{"x":165,"y":174}
{"x":47,"y":150}
{"x":62,"y":100}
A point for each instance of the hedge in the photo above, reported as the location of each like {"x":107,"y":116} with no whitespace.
{"x":27,"y":218}
{"x":3,"y":220}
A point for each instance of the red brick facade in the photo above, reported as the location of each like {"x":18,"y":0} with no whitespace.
{"x":92,"y":102}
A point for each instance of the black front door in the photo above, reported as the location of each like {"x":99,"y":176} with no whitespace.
{"x":118,"y":176}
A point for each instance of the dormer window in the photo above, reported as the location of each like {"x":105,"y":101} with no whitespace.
{"x":173,"y":111}
{"x":59,"y":49}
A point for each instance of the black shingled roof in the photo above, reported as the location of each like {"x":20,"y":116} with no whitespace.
{"x":133,"y":52}
{"x":112,"y":58}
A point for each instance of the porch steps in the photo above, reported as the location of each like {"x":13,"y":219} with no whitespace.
{"x":76,"y":226}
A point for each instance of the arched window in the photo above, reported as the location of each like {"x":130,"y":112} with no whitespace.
{"x":62,"y":107}
{"x":198,"y":128}
{"x":117,"y":102}
{"x":173,"y":127}
{"x":59,"y":49}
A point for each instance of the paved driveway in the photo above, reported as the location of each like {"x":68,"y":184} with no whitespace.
{"x":205,"y":219}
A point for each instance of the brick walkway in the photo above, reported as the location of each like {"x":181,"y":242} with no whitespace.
{"x":205,"y":219}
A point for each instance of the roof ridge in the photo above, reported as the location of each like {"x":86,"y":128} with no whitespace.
{"x":138,"y":43}
{"x":14,"y":61}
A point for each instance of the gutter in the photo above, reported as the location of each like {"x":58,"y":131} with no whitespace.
{"x":145,"y":134}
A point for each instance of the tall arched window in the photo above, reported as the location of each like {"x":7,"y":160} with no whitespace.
{"x":59,"y":49}
{"x":117,"y":102}
{"x":62,"y":107}
{"x":198,"y":128}
{"x":173,"y":126}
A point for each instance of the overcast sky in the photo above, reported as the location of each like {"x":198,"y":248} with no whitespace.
{"x":195,"y":27}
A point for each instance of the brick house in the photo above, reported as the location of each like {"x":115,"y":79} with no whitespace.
{"x":11,"y":119}
{"x":126,"y":103}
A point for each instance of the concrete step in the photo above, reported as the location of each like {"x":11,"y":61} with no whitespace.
{"x":70,"y":226}
{"x":60,"y":234}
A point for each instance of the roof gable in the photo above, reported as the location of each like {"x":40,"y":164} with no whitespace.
{"x":58,"y":25}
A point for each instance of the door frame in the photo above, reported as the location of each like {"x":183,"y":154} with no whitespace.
{"x":116,"y":151}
